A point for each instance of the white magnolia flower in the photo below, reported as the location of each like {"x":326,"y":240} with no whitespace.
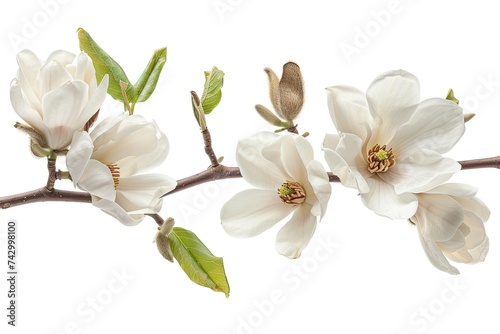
{"x":56,"y":97}
{"x":390,"y":144}
{"x":107,"y":162}
{"x":450,"y":222}
{"x":288,"y":181}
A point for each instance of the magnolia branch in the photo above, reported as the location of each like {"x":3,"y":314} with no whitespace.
{"x":219,"y":172}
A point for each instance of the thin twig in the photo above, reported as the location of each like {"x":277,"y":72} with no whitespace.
{"x":207,"y":139}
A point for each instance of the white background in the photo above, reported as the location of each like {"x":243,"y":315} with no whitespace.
{"x":374,"y":279}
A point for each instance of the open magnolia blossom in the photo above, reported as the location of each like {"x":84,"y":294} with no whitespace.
{"x":450,"y":222}
{"x":56,"y":97}
{"x":390,"y":144}
{"x":288,"y":181}
{"x":107,"y":162}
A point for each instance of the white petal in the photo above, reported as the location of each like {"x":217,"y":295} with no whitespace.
{"x":454,"y":189}
{"x":24,"y":109}
{"x":61,"y":108}
{"x":62,"y":57}
{"x":253,"y":211}
{"x":436,"y":125}
{"x":97,"y":180}
{"x":29,"y":67}
{"x":319,"y":181}
{"x":258,"y":157}
{"x":420,"y":172}
{"x":383,"y":200}
{"x":52,"y":76}
{"x":435,"y":255}
{"x":439,"y":216}
{"x":348,"y":163}
{"x":475,"y":206}
{"x":142,"y":193}
{"x":349,"y":110}
{"x":95,"y":101}
{"x":113,"y":209}
{"x":330,"y":142}
{"x":292,"y":159}
{"x":392,"y":98}
{"x":79,"y":154}
{"x":296,"y":234}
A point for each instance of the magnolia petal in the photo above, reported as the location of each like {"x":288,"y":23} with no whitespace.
{"x":97,"y":180}
{"x":296,"y":234}
{"x":61,"y":108}
{"x":253,"y":211}
{"x":255,"y":162}
{"x":347,"y":162}
{"x":321,"y":188}
{"x":95,"y":100}
{"x":383,"y":200}
{"x":420,"y":172}
{"x":436,"y":125}
{"x":435,"y":255}
{"x":24,"y":110}
{"x":29,"y":66}
{"x":141,"y":193}
{"x":292,"y":159}
{"x":475,"y":206}
{"x":392,"y":98}
{"x":330,"y":142}
{"x":116,"y":211}
{"x":62,"y":57}
{"x":454,"y":189}
{"x":51,"y":76}
{"x":439,"y":216}
{"x":349,"y":110}
{"x":78,"y":155}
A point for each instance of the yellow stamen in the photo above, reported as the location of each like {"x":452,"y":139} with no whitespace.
{"x":291,"y":193}
{"x":115,"y":173}
{"x":380,"y":159}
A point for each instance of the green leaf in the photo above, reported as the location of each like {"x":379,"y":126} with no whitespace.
{"x":146,"y":84}
{"x":197,"y":261}
{"x":212,"y":93}
{"x":104,"y":64}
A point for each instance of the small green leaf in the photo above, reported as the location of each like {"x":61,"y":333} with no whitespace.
{"x":146,"y":84}
{"x":450,"y":96}
{"x":104,"y":64}
{"x":212,"y":92}
{"x":197,"y":261}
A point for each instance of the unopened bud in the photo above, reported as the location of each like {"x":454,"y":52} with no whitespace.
{"x":162,"y":241}
{"x":291,"y":91}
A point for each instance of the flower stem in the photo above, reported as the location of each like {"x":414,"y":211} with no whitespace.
{"x":493,"y":162}
{"x":219,"y":172}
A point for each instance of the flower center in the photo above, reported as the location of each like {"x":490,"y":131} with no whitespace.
{"x":115,"y":173}
{"x":292,"y":193}
{"x":380,"y":159}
